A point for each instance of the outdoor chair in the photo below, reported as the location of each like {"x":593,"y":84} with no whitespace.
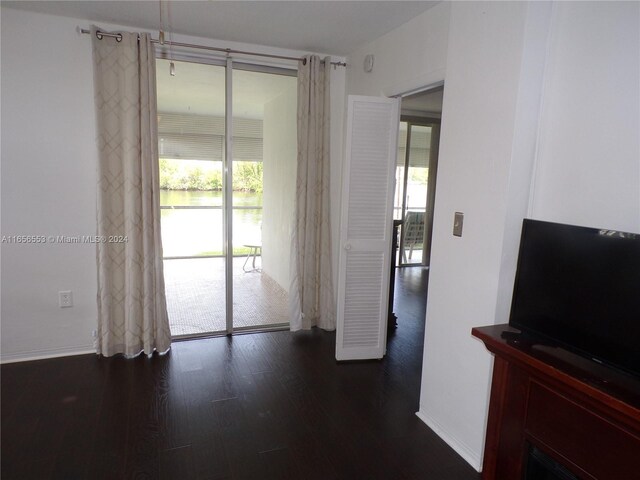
{"x":413,"y":233}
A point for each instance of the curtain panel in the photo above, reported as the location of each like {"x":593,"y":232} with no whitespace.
{"x":132,"y":312}
{"x":311,"y":296}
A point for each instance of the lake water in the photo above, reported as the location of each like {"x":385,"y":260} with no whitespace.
{"x":200,"y":198}
{"x":187,"y":232}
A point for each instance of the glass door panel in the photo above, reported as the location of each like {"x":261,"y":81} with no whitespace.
{"x":416,"y":195}
{"x":411,"y":192}
{"x":191,"y":233}
{"x":191,"y":132}
{"x":264,"y":175}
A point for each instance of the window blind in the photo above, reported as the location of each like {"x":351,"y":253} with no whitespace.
{"x":201,"y":137}
{"x":420,"y":144}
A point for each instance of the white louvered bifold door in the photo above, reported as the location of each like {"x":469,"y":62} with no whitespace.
{"x":366,"y":227}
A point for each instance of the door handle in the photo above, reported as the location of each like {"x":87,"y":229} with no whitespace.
{"x":347,"y":246}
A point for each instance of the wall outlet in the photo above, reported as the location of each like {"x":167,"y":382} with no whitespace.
{"x":65,"y":299}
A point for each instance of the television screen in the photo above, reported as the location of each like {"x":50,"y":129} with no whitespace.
{"x":579,"y":288}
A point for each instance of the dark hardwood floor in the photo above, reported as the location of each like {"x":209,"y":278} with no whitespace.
{"x":261,"y":406}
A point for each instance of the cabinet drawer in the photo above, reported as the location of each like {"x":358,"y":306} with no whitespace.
{"x":601,"y":448}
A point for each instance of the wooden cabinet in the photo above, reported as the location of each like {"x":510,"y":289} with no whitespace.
{"x":583,"y":415}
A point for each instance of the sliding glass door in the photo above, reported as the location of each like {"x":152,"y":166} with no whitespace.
{"x":415,"y":186}
{"x":264,"y":179}
{"x":227,"y":148}
{"x":191,"y":134}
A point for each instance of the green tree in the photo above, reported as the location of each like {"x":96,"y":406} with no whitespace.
{"x":184,"y":175}
{"x":247,"y":177}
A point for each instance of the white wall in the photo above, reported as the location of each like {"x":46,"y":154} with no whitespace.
{"x":526,"y":126}
{"x":411,"y":56}
{"x":588,"y":169}
{"x":479,"y":132}
{"x":48,"y":178}
{"x":48,"y":185}
{"x":531,"y":91}
{"x":279,"y":178}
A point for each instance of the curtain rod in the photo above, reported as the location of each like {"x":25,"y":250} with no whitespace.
{"x":118,"y":36}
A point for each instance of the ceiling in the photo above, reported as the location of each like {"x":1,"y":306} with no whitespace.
{"x":332,"y":27}
{"x":423,"y":102}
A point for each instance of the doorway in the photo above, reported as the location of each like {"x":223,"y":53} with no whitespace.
{"x":375,"y":173}
{"x":227,"y":167}
{"x":416,"y":170}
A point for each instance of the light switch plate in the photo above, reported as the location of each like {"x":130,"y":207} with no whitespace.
{"x":458,"y":219}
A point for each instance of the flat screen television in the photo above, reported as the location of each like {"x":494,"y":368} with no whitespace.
{"x":579,"y":288}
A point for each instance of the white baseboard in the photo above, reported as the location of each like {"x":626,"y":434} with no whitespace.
{"x":48,"y":353}
{"x":472,"y":458}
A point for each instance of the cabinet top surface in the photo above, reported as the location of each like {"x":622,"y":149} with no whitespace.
{"x":610,"y":386}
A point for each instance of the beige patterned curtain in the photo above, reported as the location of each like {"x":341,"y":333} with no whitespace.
{"x":132,"y":312}
{"x":311,"y":294}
